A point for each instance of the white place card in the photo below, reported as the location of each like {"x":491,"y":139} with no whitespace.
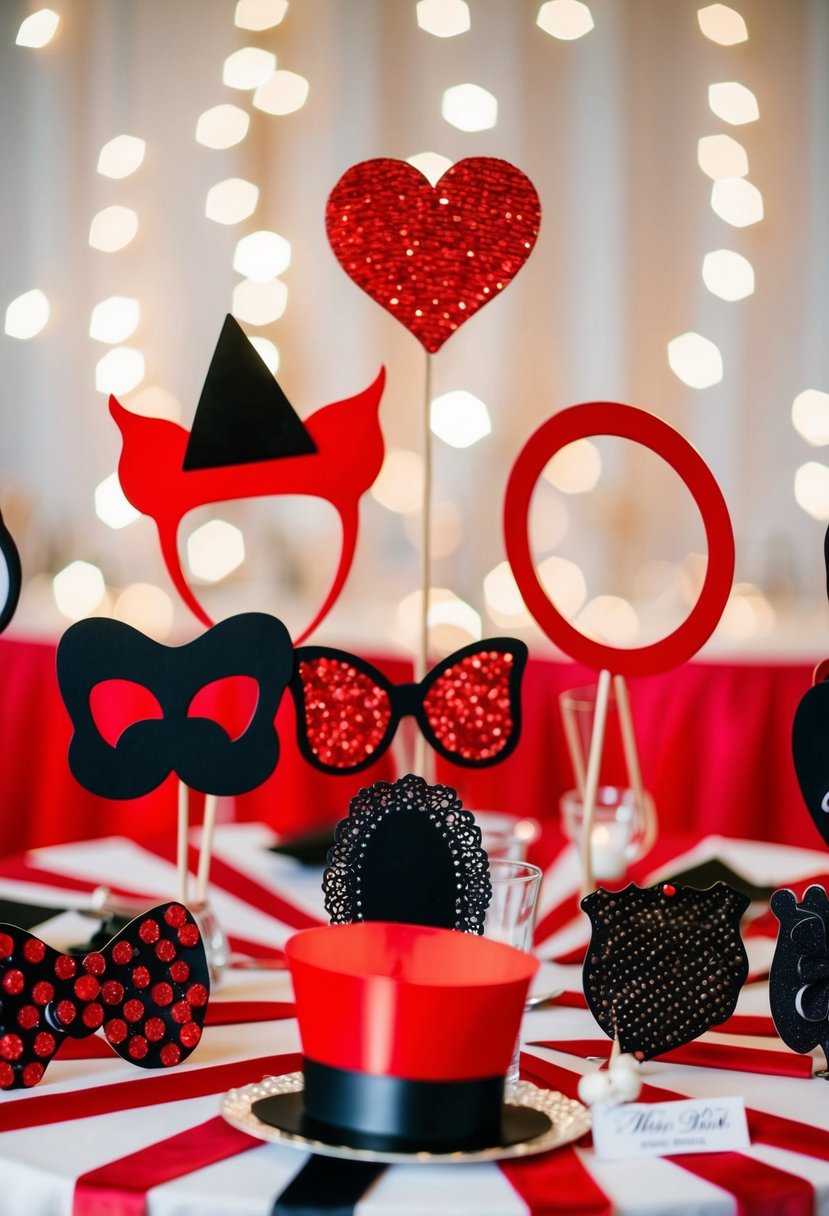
{"x":664,"y":1129}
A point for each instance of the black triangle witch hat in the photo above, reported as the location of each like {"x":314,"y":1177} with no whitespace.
{"x":243,"y":416}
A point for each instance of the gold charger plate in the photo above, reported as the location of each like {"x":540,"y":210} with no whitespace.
{"x":568,"y":1121}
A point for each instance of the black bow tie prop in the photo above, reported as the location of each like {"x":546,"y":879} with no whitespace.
{"x":148,"y":991}
{"x":408,"y":853}
{"x":799,"y":976}
{"x":199,"y":750}
{"x":664,"y":964}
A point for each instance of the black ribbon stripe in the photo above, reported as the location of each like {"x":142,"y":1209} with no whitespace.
{"x":327,"y":1185}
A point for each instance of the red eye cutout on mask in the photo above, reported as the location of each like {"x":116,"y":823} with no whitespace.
{"x":468,"y":707}
{"x":116,"y":705}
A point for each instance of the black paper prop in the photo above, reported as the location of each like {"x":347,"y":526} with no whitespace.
{"x":411,"y":854}
{"x":148,"y":989}
{"x":243,"y":416}
{"x":197,"y":749}
{"x":664,"y":964}
{"x":810,"y":750}
{"x":468,"y":706}
{"x":10,"y":576}
{"x":799,"y":976}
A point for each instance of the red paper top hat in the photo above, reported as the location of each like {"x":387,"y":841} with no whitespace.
{"x":409,"y":1001}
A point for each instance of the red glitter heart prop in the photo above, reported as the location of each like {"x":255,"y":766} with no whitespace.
{"x":433,"y":255}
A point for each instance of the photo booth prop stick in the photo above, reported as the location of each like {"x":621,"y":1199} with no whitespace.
{"x":148,"y":989}
{"x":432,"y":256}
{"x":799,"y":975}
{"x":10,"y":576}
{"x":173,"y":736}
{"x":625,"y":422}
{"x":409,"y":853}
{"x":468,"y":707}
{"x":810,"y":737}
{"x":247,"y":442}
{"x":664,"y":963}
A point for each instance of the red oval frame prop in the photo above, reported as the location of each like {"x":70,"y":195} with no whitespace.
{"x":624,"y":422}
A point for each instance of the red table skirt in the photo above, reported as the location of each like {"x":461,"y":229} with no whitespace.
{"x":714,"y":741}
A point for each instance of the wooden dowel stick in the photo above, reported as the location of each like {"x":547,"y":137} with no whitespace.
{"x":422,"y":658}
{"x":571,"y":736}
{"x":182,"y":841}
{"x":644,"y":805}
{"x":591,"y":781}
{"x":206,"y":849}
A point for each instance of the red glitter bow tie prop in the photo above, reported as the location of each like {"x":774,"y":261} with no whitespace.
{"x":468,"y":707}
{"x":148,"y":989}
{"x":433,"y":255}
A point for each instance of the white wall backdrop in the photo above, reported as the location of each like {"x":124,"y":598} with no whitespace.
{"x":607,"y":127}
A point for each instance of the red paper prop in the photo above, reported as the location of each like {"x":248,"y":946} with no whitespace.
{"x":10,"y":575}
{"x":664,"y":963}
{"x":626,"y":422}
{"x":433,"y":255}
{"x":415,"y":1056}
{"x":148,"y":989}
{"x":165,"y":471}
{"x":408,"y":853}
{"x":177,"y":737}
{"x":468,"y":706}
{"x":799,"y":975}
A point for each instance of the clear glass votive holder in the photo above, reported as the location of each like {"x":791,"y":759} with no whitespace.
{"x":618,"y":834}
{"x":506,"y":836}
{"x":510,"y":919}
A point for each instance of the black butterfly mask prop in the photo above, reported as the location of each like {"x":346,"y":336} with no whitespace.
{"x":198,"y":749}
{"x":799,"y":975}
{"x":664,"y":964}
{"x":408,"y":852}
{"x":148,"y":989}
{"x":468,"y":707}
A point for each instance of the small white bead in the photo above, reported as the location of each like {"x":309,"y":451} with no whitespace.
{"x":594,"y":1087}
{"x":625,"y":1085}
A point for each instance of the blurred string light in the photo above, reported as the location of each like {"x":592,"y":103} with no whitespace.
{"x":268,"y":353}
{"x":282,"y":93}
{"x":262,"y":256}
{"x":722,"y":24}
{"x":443,"y":18}
{"x":121,"y":156}
{"x":747,"y":613}
{"x":248,"y":68}
{"x":469,"y":107}
{"x":156,"y":402}
{"x":459,"y":418}
{"x":721,"y":156}
{"x":810,"y":416}
{"x":222,"y":126}
{"x":114,"y":319}
{"x":259,"y":303}
{"x":111,"y":505}
{"x":549,"y":519}
{"x":574,"y":469}
{"x":38,"y":29}
{"x":119,"y":371}
{"x":113,"y":228}
{"x":451,"y":621}
{"x":147,"y":608}
{"x":695,"y":360}
{"x":737,"y":201}
{"x":79,"y":589}
{"x":733,"y":102}
{"x":446,"y":530}
{"x":399,"y":484}
{"x":728,"y":274}
{"x":564,"y":583}
{"x":811,"y":489}
{"x":27,"y":314}
{"x":215,"y":550}
{"x":430,"y":164}
{"x":609,"y":619}
{"x":259,"y":14}
{"x":565,"y":19}
{"x":231,"y":201}
{"x":504,"y":601}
